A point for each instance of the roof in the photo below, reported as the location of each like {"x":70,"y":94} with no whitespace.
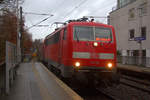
{"x":89,"y":23}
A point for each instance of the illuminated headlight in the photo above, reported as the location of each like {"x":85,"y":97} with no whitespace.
{"x":109,"y":65}
{"x":95,"y":44}
{"x":77,"y":64}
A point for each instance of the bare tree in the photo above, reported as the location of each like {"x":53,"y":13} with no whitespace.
{"x":8,"y":32}
{"x":10,"y":4}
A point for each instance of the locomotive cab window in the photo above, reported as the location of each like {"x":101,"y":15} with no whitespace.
{"x":46,"y":42}
{"x":54,"y":38}
{"x":103,"y":34}
{"x":86,"y":33}
{"x":83,"y":33}
{"x":65,"y":34}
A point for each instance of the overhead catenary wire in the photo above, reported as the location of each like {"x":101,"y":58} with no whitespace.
{"x":102,"y":17}
{"x":71,"y":11}
{"x":95,"y":16}
{"x":39,"y":22}
{"x":42,"y":25}
{"x":76,"y":7}
{"x":38,"y":14}
{"x":59,"y":5}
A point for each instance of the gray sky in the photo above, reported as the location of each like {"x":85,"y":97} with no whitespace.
{"x":62,"y":11}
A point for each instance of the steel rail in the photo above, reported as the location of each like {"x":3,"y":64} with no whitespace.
{"x":145,"y":82}
{"x":135,"y":85}
{"x":107,"y":94}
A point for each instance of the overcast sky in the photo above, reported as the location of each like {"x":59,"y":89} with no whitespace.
{"x":62,"y":11}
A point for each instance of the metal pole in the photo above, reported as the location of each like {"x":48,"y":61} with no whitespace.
{"x":140,"y":42}
{"x":18,"y":35}
{"x":7,"y":88}
{"x":140,"y":53}
{"x":21,"y":31}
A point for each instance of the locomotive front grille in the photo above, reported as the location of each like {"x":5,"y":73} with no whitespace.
{"x":87,"y":55}
{"x":84,"y":55}
{"x":106,"y":56}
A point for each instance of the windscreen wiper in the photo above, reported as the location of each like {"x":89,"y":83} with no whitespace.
{"x":109,"y":42}
{"x":77,"y":36}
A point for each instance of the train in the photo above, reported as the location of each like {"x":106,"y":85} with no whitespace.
{"x":82,"y":46}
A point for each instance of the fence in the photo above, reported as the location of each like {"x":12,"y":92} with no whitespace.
{"x":2,"y":80}
{"x":11,"y":61}
{"x":7,"y":68}
{"x":134,"y":60}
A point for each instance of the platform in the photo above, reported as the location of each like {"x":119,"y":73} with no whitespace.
{"x":35,"y":82}
{"x":139,"y":69}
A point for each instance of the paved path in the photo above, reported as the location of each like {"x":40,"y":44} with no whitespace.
{"x":35,"y":82}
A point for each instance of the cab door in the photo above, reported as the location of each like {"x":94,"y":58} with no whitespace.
{"x":61,"y":45}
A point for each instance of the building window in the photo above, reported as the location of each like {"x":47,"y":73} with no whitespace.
{"x":122,"y":3}
{"x":131,"y":13}
{"x":143,"y":32}
{"x":131,"y":34}
{"x":135,"y":53}
{"x":143,"y":9}
{"x":144,"y":53}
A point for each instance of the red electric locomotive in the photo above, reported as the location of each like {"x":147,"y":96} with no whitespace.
{"x":82,"y":46}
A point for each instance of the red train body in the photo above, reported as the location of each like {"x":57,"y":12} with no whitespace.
{"x":82,"y":47}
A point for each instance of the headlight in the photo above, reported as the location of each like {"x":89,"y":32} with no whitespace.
{"x":109,"y":65}
{"x":77,"y":64}
{"x":95,"y":44}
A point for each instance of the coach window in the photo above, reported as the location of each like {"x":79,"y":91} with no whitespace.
{"x":65,"y":34}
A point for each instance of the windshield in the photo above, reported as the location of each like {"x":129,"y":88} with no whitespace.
{"x":86,"y":33}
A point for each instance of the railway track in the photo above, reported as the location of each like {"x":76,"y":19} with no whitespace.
{"x":141,"y":81}
{"x":107,"y":94}
{"x":130,"y":88}
{"x":142,"y":85}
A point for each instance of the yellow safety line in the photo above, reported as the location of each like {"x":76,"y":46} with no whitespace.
{"x":43,"y":90}
{"x":68,"y":90}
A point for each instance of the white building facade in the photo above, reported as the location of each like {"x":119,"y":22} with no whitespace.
{"x":131,"y":20}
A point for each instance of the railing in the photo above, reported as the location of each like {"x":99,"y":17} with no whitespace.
{"x":134,"y":60}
